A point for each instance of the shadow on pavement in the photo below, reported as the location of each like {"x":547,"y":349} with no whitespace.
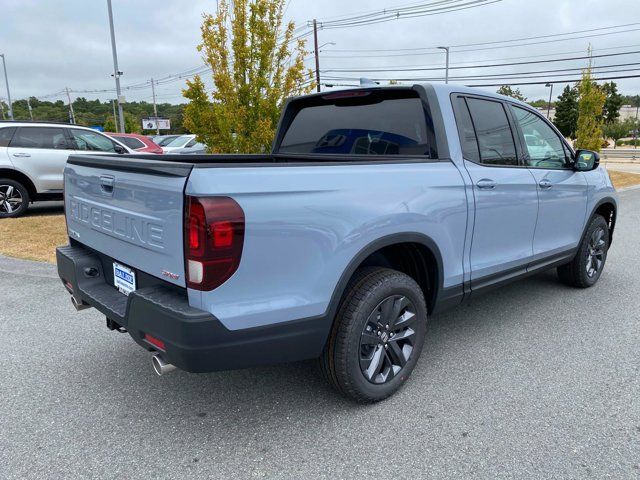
{"x":44,"y":208}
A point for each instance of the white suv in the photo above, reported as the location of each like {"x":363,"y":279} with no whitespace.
{"x":33,"y":156}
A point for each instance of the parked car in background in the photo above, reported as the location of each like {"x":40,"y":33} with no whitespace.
{"x":163,"y":140}
{"x":182,"y":142}
{"x":139,"y":143}
{"x":376,"y":208}
{"x":33,"y":156}
{"x":197,"y":149}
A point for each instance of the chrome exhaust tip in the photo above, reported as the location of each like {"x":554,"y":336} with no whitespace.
{"x":160,"y":366}
{"x":79,"y":305}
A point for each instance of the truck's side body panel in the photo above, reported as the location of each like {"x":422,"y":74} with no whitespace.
{"x":305,"y":224}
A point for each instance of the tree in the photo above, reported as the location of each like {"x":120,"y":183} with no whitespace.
{"x":254,"y":70}
{"x":510,"y":92}
{"x":566,"y":117}
{"x":612,"y":103}
{"x":540,"y":103}
{"x":590,"y":104}
{"x":617,"y":130}
{"x":131,"y":124}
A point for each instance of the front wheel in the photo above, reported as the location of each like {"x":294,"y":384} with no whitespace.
{"x":377,"y":335}
{"x":586,"y":267}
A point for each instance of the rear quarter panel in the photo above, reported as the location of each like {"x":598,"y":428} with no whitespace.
{"x":305,"y":224}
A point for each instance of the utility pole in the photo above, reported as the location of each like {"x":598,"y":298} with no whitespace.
{"x":72,"y":116}
{"x":116,"y":72}
{"x":636,"y":126}
{"x":115,"y":117}
{"x":30,"y":110}
{"x":6,"y":81}
{"x":549,"y":105}
{"x":317,"y":53}
{"x":446,"y":71}
{"x":155,"y":108}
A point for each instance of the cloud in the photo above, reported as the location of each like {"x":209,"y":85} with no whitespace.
{"x":55,"y":44}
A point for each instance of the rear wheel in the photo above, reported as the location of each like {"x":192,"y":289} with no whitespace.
{"x":377,"y":335}
{"x":586,"y":267}
{"x":14,"y":198}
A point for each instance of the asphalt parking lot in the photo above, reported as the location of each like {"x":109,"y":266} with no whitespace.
{"x":534,"y":380}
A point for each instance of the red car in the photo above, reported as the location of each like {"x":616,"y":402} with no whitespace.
{"x":136,"y":142}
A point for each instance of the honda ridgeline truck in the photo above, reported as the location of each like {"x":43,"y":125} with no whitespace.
{"x":376,"y":208}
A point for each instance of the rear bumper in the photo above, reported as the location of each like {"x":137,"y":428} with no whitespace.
{"x":194,"y":340}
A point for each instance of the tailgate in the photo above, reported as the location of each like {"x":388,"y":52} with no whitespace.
{"x":129,"y":209}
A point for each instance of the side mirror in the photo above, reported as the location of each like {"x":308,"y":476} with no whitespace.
{"x":586,"y":160}
{"x":119,"y":149}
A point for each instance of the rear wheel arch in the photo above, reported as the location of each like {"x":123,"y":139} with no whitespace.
{"x":412,"y":253}
{"x":20,"y":177}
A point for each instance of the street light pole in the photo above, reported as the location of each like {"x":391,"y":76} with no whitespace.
{"x":446,"y":72}
{"x":116,"y":72}
{"x":549,"y":105}
{"x":6,"y":81}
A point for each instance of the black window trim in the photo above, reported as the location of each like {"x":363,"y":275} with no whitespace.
{"x":510,"y":120}
{"x":521,"y":139}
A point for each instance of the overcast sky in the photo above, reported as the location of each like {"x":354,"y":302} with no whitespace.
{"x":53,"y":44}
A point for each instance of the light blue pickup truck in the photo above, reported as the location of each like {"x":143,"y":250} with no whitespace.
{"x":376,"y":208}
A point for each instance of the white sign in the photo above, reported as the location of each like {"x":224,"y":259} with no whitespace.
{"x":156,"y":124}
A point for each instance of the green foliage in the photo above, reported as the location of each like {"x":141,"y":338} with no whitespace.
{"x":612,"y":103}
{"x":566,"y":117}
{"x":633,"y":100}
{"x":95,"y":112}
{"x":617,"y":130}
{"x":511,"y":92}
{"x":131,"y":124}
{"x":541,"y":103}
{"x":590,"y":104}
{"x":254,"y":70}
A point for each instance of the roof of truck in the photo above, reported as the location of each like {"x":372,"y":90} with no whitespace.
{"x":439,"y":87}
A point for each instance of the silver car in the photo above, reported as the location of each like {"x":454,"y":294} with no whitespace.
{"x":33,"y":156}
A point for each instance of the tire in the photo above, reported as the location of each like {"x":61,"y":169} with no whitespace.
{"x":14,"y":198}
{"x":586,"y":267}
{"x":375,"y":342}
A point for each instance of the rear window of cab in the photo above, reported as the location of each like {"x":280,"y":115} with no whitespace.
{"x":393,"y":122}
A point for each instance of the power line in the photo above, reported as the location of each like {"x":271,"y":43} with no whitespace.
{"x":493,"y":65}
{"x":391,"y":14}
{"x":414,"y":49}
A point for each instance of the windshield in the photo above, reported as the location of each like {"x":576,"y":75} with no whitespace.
{"x":179,"y":142}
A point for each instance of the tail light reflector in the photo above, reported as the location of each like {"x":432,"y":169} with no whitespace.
{"x":213,"y":240}
{"x":156,"y":342}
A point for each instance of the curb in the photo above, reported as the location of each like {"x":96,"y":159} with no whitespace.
{"x":627,"y":189}
{"x":29,"y":268}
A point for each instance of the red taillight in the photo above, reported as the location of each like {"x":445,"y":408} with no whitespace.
{"x":156,"y":342}
{"x":214,"y":236}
